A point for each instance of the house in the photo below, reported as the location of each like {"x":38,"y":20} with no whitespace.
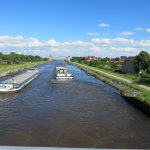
{"x":128,"y":65}
{"x":122,"y":60}
{"x":92,"y":58}
{"x":117,"y":60}
{"x":112,"y":60}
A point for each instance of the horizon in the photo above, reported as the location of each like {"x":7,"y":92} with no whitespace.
{"x":102,"y":28}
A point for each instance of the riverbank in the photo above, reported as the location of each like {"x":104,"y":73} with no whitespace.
{"x":128,"y":89}
{"x":12,"y":69}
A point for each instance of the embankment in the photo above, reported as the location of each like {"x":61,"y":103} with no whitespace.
{"x":13,"y":69}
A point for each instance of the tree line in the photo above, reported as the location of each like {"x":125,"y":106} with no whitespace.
{"x":14,"y":58}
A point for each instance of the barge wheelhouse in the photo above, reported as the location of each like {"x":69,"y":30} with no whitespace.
{"x":63,"y":73}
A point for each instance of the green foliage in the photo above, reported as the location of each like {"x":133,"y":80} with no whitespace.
{"x":78,"y":59}
{"x":103,"y":63}
{"x":142,"y":62}
{"x":114,"y":66}
{"x":14,"y":58}
{"x":145,"y":96}
{"x":105,"y":59}
{"x":145,"y":78}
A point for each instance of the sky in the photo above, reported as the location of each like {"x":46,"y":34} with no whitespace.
{"x":104,"y":28}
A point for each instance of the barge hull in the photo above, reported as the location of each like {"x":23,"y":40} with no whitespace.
{"x":64,"y":77}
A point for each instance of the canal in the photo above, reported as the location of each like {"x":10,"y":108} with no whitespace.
{"x":84,"y":112}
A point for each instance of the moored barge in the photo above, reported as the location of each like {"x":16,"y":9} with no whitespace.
{"x":16,"y":83}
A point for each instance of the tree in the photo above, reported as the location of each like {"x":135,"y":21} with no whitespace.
{"x":117,"y":59}
{"x":106,"y":59}
{"x":142,"y":62}
{"x":114,"y":66}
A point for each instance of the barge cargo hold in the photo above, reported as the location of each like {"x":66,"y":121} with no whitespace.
{"x":16,"y":83}
{"x":63,"y":73}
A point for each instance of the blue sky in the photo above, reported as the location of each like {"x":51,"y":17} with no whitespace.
{"x":75,"y":27}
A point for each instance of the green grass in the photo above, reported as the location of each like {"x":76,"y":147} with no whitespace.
{"x":145,"y":97}
{"x":18,"y":67}
{"x":125,"y":76}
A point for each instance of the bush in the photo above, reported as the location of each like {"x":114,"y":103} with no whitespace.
{"x":114,"y":66}
{"x":145,"y":78}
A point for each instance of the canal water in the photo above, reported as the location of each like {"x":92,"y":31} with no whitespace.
{"x":84,"y":112}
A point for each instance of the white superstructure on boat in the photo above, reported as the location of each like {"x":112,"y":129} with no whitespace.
{"x":63,"y":73}
{"x":18,"y":82}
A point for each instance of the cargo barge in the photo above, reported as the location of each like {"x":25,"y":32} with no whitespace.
{"x":62,"y":73}
{"x":16,"y":83}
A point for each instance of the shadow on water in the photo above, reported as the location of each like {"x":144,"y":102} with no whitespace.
{"x":83,"y":112}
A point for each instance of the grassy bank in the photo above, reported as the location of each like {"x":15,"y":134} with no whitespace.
{"x":133,"y":77}
{"x":126,"y":88}
{"x":115,"y":69}
{"x":10,"y":69}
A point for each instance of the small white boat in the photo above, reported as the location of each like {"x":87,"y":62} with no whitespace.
{"x":18,"y":82}
{"x":63,"y":73}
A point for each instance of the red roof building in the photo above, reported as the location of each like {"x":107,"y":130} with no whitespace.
{"x":92,"y":58}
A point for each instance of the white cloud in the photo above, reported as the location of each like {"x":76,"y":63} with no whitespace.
{"x":100,"y":46}
{"x":148,"y":29}
{"x":139,"y":29}
{"x":109,"y":41}
{"x":124,"y":49}
{"x":11,"y":41}
{"x":7,"y":38}
{"x":102,"y":41}
{"x":143,"y":43}
{"x":75,"y":44}
{"x":124,"y":41}
{"x":33,"y":42}
{"x":93,"y":34}
{"x":126,"y":33}
{"x":96,"y":49}
{"x":52,"y":42}
{"x":104,"y":25}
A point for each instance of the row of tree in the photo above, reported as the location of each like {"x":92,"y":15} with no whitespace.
{"x":14,"y":58}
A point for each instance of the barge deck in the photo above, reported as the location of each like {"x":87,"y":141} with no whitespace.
{"x":18,"y":82}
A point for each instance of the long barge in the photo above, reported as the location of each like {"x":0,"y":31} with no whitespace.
{"x":16,"y":83}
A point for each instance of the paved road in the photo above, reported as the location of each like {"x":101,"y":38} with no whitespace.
{"x":116,"y":77}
